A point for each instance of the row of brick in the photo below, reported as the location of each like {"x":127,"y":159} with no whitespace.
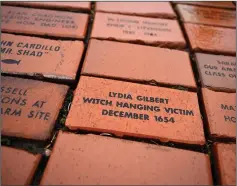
{"x":54,"y":5}
{"x":23,"y":55}
{"x":123,"y":109}
{"x":206,"y":32}
{"x":207,"y":39}
{"x":150,"y":9}
{"x":154,"y":31}
{"x":104,"y":162}
{"x":203,"y":26}
{"x":223,"y":67}
{"x":105,"y":69}
{"x":17,"y":54}
{"x":147,"y":9}
{"x":30,"y":109}
{"x":207,"y":15}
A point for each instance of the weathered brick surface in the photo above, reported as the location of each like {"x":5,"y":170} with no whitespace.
{"x":97,"y":160}
{"x":211,"y":39}
{"x":217,"y":4}
{"x":18,"y":166}
{"x":147,"y":9}
{"x":138,"y":63}
{"x":225,"y":161}
{"x":207,"y":15}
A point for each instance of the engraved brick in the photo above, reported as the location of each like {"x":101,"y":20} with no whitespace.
{"x":153,"y":31}
{"x":221,"y":113}
{"x":18,"y":166}
{"x":147,"y":9}
{"x":35,"y":57}
{"x":43,"y":22}
{"x":55,"y":5}
{"x":29,"y":107}
{"x":129,"y":109}
{"x":217,"y":71}
{"x":211,"y":39}
{"x":98,"y":160}
{"x":138,"y":63}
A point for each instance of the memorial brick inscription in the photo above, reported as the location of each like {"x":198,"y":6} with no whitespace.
{"x":131,"y":109}
{"x":56,"y":5}
{"x":33,"y":56}
{"x":207,"y":16}
{"x":98,"y":160}
{"x":30,"y":108}
{"x":217,"y":71}
{"x":43,"y":22}
{"x":18,"y":166}
{"x":153,"y":31}
{"x":221,"y":113}
{"x":147,"y":9}
{"x":159,"y":64}
{"x":132,"y":84}
{"x":211,"y":39}
{"x":225,"y":161}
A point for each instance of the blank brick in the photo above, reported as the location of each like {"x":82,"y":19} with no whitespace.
{"x":207,"y":15}
{"x":216,"y":4}
{"x":147,"y":9}
{"x":97,"y":160}
{"x":18,"y":166}
{"x":138,"y":63}
{"x":225,"y":161}
{"x":211,"y":39}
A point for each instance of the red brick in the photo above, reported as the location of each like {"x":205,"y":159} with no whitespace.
{"x":217,"y":4}
{"x":211,"y":39}
{"x":34,"y":21}
{"x":138,"y":63}
{"x":147,"y":9}
{"x":48,"y":58}
{"x":154,"y":31}
{"x":58,"y":5}
{"x":217,"y":72}
{"x":30,"y":108}
{"x":18,"y":166}
{"x":207,"y":16}
{"x":221,"y":113}
{"x":225,"y":156}
{"x":139,"y":121}
{"x":97,"y":160}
